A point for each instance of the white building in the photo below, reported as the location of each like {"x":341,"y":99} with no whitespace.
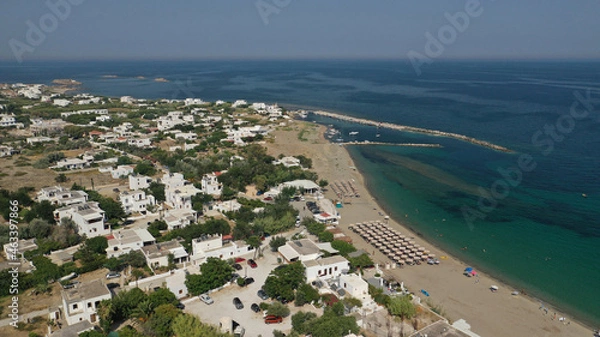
{"x":212,"y":246}
{"x":186,"y":135}
{"x":178,"y":191}
{"x":6,"y":151}
{"x":140,"y":142}
{"x":210,"y":185}
{"x":355,"y":286}
{"x":128,"y":240}
{"x":128,"y":100}
{"x":61,"y":102}
{"x":225,"y":206}
{"x":239,"y":103}
{"x":300,"y":250}
{"x":88,"y":217}
{"x":137,"y":182}
{"x":157,"y":255}
{"x":121,"y":171}
{"x":193,"y":101}
{"x":58,"y":195}
{"x":72,"y":164}
{"x":84,"y":112}
{"x":179,"y":218}
{"x":136,"y":201}
{"x":287,"y":161}
{"x":325,"y":268}
{"x":172,"y":119}
{"x":15,"y":250}
{"x":7,"y":120}
{"x":81,"y":303}
{"x":173,"y":280}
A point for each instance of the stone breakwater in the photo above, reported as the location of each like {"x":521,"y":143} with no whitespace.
{"x":413,"y":129}
{"x":366,"y":142}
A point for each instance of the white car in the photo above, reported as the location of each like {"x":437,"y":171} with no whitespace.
{"x":206,"y":299}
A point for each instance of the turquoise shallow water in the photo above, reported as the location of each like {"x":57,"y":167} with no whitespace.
{"x":543,"y":237}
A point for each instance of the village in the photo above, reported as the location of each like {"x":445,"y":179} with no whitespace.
{"x":144,"y":216}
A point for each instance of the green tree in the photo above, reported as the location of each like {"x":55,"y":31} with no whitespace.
{"x":145,"y":168}
{"x":325,"y":236}
{"x":278,"y":309}
{"x":106,"y":313}
{"x":61,"y":178}
{"x":97,"y":244}
{"x":323,"y":183}
{"x":158,"y":191}
{"x":213,"y":274}
{"x":162,"y":296}
{"x":306,"y":294}
{"x":124,"y":160}
{"x":402,"y":307}
{"x":302,"y":320}
{"x":91,"y":333}
{"x":135,"y":259}
{"x":255,"y":243}
{"x":137,"y":274}
{"x":39,"y":229}
{"x":42,"y":210}
{"x":343,"y":247}
{"x":160,"y":322}
{"x":190,"y":326}
{"x":277,"y":242}
{"x":360,"y":261}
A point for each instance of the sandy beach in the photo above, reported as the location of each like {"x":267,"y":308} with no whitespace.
{"x":489,"y":314}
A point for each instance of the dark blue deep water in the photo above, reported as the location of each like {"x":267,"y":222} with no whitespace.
{"x":541,"y":234}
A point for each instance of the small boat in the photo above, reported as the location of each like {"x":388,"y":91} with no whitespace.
{"x":584,"y":195}
{"x":424,"y":292}
{"x":353,"y":133}
{"x":377,"y":135}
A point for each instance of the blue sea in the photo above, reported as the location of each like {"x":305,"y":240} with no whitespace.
{"x":530,"y":218}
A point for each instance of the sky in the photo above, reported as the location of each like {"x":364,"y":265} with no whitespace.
{"x":280,"y":29}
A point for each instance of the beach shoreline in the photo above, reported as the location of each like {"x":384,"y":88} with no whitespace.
{"x":490,"y":314}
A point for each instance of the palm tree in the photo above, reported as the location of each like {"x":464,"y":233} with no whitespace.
{"x":255,"y":243}
{"x":143,"y":310}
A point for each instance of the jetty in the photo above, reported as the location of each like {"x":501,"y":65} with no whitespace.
{"x":366,"y":142}
{"x":413,"y":129}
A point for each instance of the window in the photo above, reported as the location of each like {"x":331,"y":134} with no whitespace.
{"x":335,"y":269}
{"x":74,"y":306}
{"x":89,"y":304}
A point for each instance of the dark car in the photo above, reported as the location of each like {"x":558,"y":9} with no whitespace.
{"x":180,"y":306}
{"x":262,"y":294}
{"x":248,"y":280}
{"x":282,"y":300}
{"x":252,"y":263}
{"x":112,"y":285}
{"x":254,"y":307}
{"x":238,"y":303}
{"x":237,"y":266}
{"x":68,"y":285}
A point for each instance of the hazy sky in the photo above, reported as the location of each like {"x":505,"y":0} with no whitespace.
{"x":200,"y":29}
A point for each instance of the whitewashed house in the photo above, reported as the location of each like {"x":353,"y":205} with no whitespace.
{"x":121,"y":171}
{"x":325,"y":268}
{"x":81,"y":303}
{"x":210,"y":185}
{"x":179,"y":218}
{"x":72,"y":164}
{"x":88,"y":217}
{"x":213,"y":246}
{"x":58,"y":195}
{"x":138,"y":181}
{"x":157,"y":255}
{"x":136,"y":201}
{"x":300,"y":250}
{"x":124,"y":241}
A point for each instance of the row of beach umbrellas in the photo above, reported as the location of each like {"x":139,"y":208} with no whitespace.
{"x":399,"y":248}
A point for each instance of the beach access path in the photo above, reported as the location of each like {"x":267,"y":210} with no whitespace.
{"x":489,"y":314}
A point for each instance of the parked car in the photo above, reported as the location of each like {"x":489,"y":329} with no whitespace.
{"x":248,"y":280}
{"x":113,"y":274}
{"x":254,"y":307}
{"x":68,"y":285}
{"x":180,"y":306}
{"x":238,"y":303}
{"x":282,"y":300}
{"x":262,"y":294}
{"x":268,"y":199}
{"x":239,"y":259}
{"x":237,"y":266}
{"x":252,"y":263}
{"x":112,"y":285}
{"x":271,"y":319}
{"x":206,"y":299}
